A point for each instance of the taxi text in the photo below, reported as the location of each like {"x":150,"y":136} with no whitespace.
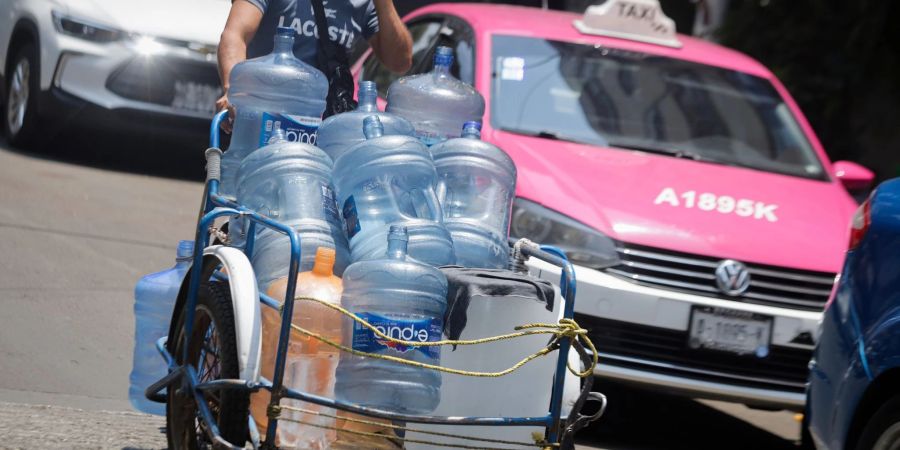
{"x":720,"y":203}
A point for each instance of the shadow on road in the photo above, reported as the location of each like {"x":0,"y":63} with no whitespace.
{"x":134,"y":152}
{"x":661,"y":422}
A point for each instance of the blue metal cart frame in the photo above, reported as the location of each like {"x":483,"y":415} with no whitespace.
{"x":558,"y":433}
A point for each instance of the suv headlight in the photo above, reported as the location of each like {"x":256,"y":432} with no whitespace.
{"x":583,"y":245}
{"x":85,"y":29}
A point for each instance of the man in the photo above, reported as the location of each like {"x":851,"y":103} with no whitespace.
{"x":250,"y":30}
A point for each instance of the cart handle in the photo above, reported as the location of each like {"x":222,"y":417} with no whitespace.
{"x":214,"y":128}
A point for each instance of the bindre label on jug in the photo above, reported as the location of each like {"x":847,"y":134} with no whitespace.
{"x":296,"y":128}
{"x":404,"y":329}
{"x":351,"y":217}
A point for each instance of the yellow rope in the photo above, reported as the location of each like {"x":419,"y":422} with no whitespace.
{"x":403,"y":428}
{"x":566,"y":328}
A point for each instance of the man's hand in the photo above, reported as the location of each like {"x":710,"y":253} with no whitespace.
{"x":222,"y":103}
{"x":392,"y":44}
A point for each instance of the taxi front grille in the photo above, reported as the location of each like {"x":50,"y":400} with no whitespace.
{"x":769,"y":285}
{"x":662,"y":350}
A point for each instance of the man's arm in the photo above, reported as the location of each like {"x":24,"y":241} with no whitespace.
{"x":243,"y":21}
{"x":392,"y":43}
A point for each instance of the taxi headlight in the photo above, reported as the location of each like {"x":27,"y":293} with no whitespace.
{"x":84,"y":29}
{"x":583,"y":245}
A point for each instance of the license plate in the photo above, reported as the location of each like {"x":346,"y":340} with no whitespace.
{"x":728,"y":330}
{"x":193,"y":96}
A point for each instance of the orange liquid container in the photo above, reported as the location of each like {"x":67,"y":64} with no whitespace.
{"x":310,"y":363}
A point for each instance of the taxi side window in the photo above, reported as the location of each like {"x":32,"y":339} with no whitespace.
{"x":427,"y":35}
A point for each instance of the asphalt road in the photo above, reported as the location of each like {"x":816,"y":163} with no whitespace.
{"x":85,"y":218}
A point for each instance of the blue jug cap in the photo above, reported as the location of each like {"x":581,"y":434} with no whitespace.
{"x":443,"y":56}
{"x":472,"y":129}
{"x":185,"y":249}
{"x":284,"y":31}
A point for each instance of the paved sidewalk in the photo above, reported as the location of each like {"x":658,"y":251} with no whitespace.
{"x":54,"y":427}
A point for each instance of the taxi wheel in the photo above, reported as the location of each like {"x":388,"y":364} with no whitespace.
{"x":20,"y":119}
{"x":883,"y":430}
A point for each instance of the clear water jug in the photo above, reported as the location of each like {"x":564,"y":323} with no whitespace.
{"x":436,"y":103}
{"x":387,"y":180}
{"x":477,"y":183}
{"x":310,"y":363}
{"x":276,"y":91}
{"x":154,"y":298}
{"x":340,"y":132}
{"x":406,"y":299}
{"x":291,"y":183}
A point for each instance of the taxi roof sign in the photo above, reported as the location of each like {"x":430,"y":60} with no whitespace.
{"x":637,"y":20}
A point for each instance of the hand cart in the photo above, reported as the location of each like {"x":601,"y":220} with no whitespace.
{"x":212,"y":350}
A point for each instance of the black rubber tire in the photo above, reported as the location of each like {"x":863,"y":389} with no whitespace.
{"x":26,"y":136}
{"x":883,"y":425}
{"x":229,"y":407}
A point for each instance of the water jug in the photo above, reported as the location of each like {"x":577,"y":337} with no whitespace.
{"x":406,"y":299}
{"x":436,"y":103}
{"x":276,"y":91}
{"x":387,"y":180}
{"x":154,"y":298}
{"x":291,"y":183}
{"x":310,"y":363}
{"x":340,"y":132}
{"x":477,"y":182}
{"x":523,"y":393}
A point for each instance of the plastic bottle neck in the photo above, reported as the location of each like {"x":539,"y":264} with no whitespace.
{"x":284,"y":46}
{"x":324,"y":262}
{"x":372,"y":127}
{"x":441,"y":70}
{"x":323,"y":268}
{"x":397,"y":249}
{"x":368,"y":97}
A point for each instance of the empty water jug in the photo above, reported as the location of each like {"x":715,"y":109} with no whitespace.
{"x":477,"y":183}
{"x":436,"y":103}
{"x":340,"y":132}
{"x":154,"y":298}
{"x":387,"y":180}
{"x":291,"y":183}
{"x":403,"y":299}
{"x":276,"y":91}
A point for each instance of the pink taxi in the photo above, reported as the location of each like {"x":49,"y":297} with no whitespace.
{"x":704,"y":218}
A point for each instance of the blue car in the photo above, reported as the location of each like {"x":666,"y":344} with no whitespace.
{"x":853,"y":401}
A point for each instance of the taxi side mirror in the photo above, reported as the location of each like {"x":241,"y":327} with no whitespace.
{"x":853,"y":176}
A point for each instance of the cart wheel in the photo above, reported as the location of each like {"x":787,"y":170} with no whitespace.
{"x":213,"y":354}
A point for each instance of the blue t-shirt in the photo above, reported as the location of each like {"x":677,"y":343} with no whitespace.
{"x":347,"y":21}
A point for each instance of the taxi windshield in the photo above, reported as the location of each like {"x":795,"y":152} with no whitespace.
{"x":623,"y":99}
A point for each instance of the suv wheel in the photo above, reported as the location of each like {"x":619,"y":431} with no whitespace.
{"x":20,"y":108}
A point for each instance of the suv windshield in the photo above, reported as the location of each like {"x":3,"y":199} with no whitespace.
{"x":616,"y":98}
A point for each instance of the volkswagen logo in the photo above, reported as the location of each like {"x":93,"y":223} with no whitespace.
{"x":732,"y":277}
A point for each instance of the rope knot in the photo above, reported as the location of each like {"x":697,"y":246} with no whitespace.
{"x":273,"y":412}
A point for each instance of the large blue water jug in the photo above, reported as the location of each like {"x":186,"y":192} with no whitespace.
{"x":403,"y":299}
{"x":276,"y":91}
{"x":154,"y":298}
{"x":389,"y":180}
{"x":477,"y":183}
{"x":436,"y":103}
{"x":291,"y":182}
{"x":340,"y":132}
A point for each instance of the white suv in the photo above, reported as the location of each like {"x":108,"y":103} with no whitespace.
{"x":115,"y":63}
